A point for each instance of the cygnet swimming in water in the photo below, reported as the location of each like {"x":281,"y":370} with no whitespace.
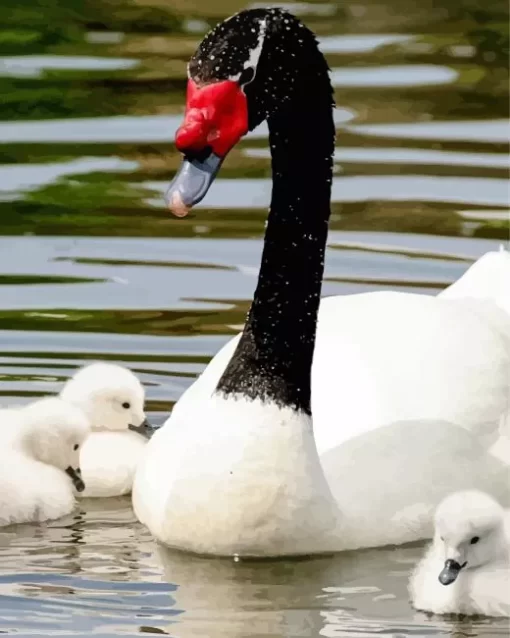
{"x":466,"y":570}
{"x":113,"y":399}
{"x":39,"y":461}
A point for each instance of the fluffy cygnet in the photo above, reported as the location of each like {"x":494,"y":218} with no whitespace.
{"x":113,"y":399}
{"x":466,"y":570}
{"x":39,"y":461}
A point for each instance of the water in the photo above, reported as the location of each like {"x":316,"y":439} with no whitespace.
{"x":91,"y":266}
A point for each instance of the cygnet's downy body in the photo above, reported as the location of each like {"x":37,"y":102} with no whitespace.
{"x":113,"y":399}
{"x":466,"y":569}
{"x":39,"y":461}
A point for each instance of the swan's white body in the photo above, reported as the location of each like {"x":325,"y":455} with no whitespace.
{"x":37,"y":445}
{"x":483,"y":585}
{"x":386,"y":356}
{"x":112,"y":451}
{"x":249,"y":481}
{"x":408,"y":392}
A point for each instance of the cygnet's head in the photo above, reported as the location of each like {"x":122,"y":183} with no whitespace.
{"x":111,"y":396}
{"x":54,"y":432}
{"x":469,"y":529}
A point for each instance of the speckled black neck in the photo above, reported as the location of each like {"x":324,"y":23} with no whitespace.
{"x":292,"y":90}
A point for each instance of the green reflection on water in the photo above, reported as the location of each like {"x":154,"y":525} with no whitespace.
{"x":141,"y":322}
{"x":17,"y":280}
{"x":138,"y":262}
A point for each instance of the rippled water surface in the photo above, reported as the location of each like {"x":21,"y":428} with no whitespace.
{"x":91,"y":266}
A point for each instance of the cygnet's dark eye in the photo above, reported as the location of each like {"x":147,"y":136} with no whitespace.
{"x":474,"y":540}
{"x":126,"y":405}
{"x":76,"y":446}
{"x":247,"y":76}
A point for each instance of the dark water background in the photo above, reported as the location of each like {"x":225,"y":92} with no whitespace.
{"x":91,"y":266}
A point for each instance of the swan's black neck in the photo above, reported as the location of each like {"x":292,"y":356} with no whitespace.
{"x":273,"y":359}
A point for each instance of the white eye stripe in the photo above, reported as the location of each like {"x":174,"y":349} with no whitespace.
{"x":254,"y":57}
{"x":253,"y":60}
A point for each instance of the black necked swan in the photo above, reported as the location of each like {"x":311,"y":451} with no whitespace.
{"x":406,"y":391}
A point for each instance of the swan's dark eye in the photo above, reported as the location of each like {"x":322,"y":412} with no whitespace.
{"x":76,"y":446}
{"x":126,"y":405}
{"x":247,"y":76}
{"x":474,"y":540}
{"x":442,"y":538}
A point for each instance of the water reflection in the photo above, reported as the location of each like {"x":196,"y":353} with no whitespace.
{"x":256,"y":193}
{"x":34,"y":66}
{"x":363,"y":43}
{"x":16,"y":178}
{"x":406,"y":155}
{"x":393,"y":76}
{"x":302,"y":8}
{"x":155,"y":128}
{"x":462,"y":131}
{"x":104,"y":575}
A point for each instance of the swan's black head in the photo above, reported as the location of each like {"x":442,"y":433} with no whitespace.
{"x":248,"y":68}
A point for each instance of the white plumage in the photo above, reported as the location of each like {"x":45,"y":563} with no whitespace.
{"x":38,"y":444}
{"x":466,"y":570}
{"x":113,"y":398}
{"x":408,"y":393}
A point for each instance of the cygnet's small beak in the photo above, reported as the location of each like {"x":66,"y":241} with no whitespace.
{"x":450,"y":572}
{"x":75,"y":475}
{"x":145,"y":429}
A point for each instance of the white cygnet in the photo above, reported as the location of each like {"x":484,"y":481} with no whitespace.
{"x":113,"y":399}
{"x":39,"y":461}
{"x":466,"y":569}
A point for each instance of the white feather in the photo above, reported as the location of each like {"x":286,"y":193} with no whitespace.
{"x":111,"y":453}
{"x":37,"y":444}
{"x":483,"y":585}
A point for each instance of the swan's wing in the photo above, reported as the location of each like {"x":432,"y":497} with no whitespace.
{"x":389,"y":482}
{"x":387,"y":357}
{"x":488,"y":278}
